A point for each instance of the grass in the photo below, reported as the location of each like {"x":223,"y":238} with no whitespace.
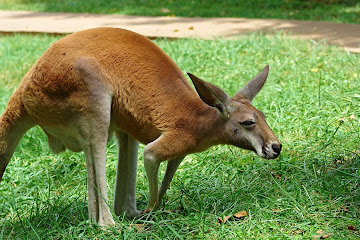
{"x":330,"y":10}
{"x":312,"y":102}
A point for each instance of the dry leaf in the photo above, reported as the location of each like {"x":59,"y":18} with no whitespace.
{"x":351,"y":228}
{"x":223,"y":219}
{"x":191,"y":28}
{"x":176,"y":30}
{"x":237,"y":216}
{"x":352,"y":117}
{"x":139,"y":227}
{"x":325,"y":236}
{"x":297,"y":232}
{"x":164,"y":10}
{"x":276,"y":210}
{"x":321,"y":235}
{"x":240,"y":214}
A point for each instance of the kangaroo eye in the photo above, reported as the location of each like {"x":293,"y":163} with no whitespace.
{"x":247,"y":123}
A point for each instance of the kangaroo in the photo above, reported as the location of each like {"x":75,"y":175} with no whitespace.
{"x":101,"y":81}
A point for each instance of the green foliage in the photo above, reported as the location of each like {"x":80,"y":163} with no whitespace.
{"x":331,"y":10}
{"x":312,"y":102}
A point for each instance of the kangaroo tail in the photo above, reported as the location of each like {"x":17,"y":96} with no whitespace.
{"x":14,"y":123}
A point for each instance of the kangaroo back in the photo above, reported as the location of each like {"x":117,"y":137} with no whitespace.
{"x":147,"y":86}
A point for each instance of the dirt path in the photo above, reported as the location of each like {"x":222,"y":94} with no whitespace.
{"x":343,"y":35}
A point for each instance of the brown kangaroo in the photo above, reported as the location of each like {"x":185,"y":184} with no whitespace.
{"x":93,"y":83}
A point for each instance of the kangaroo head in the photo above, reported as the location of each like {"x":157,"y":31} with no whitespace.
{"x":244,"y":125}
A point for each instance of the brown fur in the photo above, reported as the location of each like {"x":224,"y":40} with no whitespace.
{"x":94,"y":82}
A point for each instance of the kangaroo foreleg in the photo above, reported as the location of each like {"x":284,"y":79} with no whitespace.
{"x":163,"y":149}
{"x":171,"y":168}
{"x":151,"y":165}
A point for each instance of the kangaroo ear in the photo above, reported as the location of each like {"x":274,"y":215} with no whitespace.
{"x":250,"y":90}
{"x":211,"y":95}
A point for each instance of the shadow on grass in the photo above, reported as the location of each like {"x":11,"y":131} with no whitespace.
{"x":53,"y":217}
{"x":340,"y":11}
{"x":347,"y":35}
{"x":312,"y":192}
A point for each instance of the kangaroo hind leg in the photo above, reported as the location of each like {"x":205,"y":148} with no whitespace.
{"x":93,"y":126}
{"x":93,"y":142}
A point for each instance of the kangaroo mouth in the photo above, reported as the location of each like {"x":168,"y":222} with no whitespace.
{"x":268,"y":152}
{"x":268,"y":155}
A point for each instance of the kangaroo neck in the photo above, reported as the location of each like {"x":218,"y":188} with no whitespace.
{"x":210,"y":127}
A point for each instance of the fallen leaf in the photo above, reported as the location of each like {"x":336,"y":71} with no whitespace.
{"x":276,"y":210}
{"x":223,"y":219}
{"x":176,"y":30}
{"x":139,"y":227}
{"x":164,"y":10}
{"x":325,"y":236}
{"x":321,"y":235}
{"x":191,"y":28}
{"x":236,"y":216}
{"x":351,"y":228}
{"x":297,"y":232}
{"x":240,"y":214}
{"x":352,"y":117}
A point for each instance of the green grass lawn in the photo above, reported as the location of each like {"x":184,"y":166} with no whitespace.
{"x":331,"y":10}
{"x":312,"y":102}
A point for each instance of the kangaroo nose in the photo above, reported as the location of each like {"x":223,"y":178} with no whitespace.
{"x":276,"y":148}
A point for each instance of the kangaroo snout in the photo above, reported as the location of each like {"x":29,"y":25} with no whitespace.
{"x":271,"y":150}
{"x":277,"y":148}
